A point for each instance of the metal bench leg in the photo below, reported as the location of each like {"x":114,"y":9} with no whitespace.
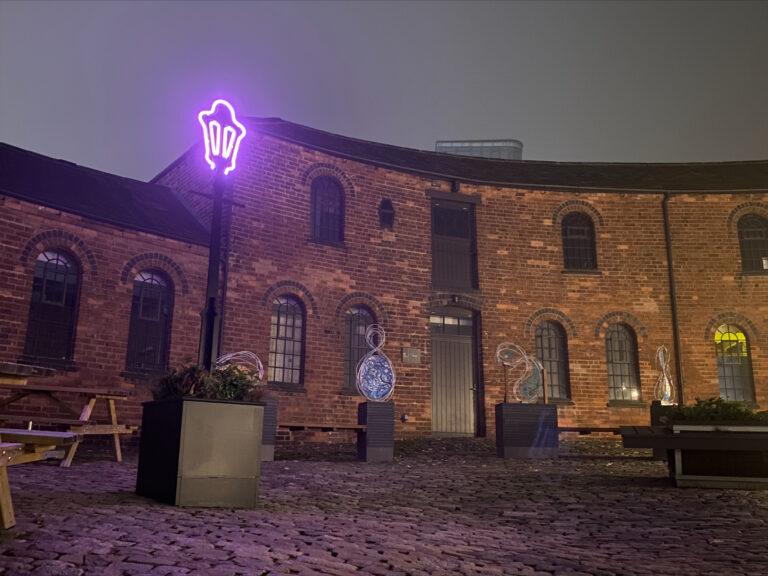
{"x":7,"y":519}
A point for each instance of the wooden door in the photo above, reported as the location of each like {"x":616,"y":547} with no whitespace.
{"x":453,"y":374}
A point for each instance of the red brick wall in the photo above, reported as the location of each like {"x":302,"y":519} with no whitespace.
{"x":104,"y":254}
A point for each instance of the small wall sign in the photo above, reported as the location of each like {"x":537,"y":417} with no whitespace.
{"x":411,"y":356}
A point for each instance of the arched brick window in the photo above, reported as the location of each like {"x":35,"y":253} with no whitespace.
{"x":552,"y":352}
{"x":579,"y":242}
{"x":621,"y":358}
{"x":357,"y":320}
{"x":53,"y":309}
{"x":150,"y":325}
{"x":734,"y":364}
{"x":753,"y":241}
{"x":327,"y":209}
{"x":286,"y":341}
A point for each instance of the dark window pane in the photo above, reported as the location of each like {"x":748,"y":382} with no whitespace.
{"x":150,"y":325}
{"x":53,"y":307}
{"x":734,"y":364}
{"x":286,"y":341}
{"x":454,"y":261}
{"x":621,"y":359}
{"x":357,"y":320}
{"x":579,"y":242}
{"x":552,"y":351}
{"x":753,"y":241}
{"x":386,"y":214}
{"x":327,"y":209}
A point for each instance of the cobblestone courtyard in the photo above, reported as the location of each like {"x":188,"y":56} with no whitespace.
{"x":443,"y":507}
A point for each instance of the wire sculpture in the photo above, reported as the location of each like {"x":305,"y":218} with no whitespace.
{"x":664,"y":389}
{"x":375,"y":373}
{"x":242,"y":358}
{"x":526,"y":370}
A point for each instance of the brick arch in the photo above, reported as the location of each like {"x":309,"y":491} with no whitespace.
{"x":326,"y":169}
{"x":620,"y":316}
{"x":461,"y":300}
{"x":576,"y":206}
{"x":293,"y":287}
{"x":731,"y":318}
{"x":51,"y":239}
{"x":363,"y":298}
{"x":759,"y":208}
{"x":159,"y":261}
{"x":550,"y":314}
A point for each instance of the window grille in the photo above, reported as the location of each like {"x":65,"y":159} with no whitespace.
{"x":621,"y":358}
{"x":357,"y":319}
{"x":753,"y":241}
{"x":552,"y":352}
{"x":734,"y":364}
{"x":454,"y":260}
{"x":286,"y":342}
{"x":327,"y":209}
{"x":53,"y":308}
{"x":579,"y":242}
{"x":150,"y":324}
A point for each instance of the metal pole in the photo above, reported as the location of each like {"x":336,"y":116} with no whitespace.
{"x":210,"y":311}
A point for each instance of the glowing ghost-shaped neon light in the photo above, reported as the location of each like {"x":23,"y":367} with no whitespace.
{"x":222,"y":133}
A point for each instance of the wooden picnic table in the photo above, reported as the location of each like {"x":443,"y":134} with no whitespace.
{"x":78,"y":418}
{"x":20,"y":447}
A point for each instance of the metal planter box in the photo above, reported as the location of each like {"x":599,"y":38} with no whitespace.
{"x":377,"y":442}
{"x":204,"y":453}
{"x":526,"y":431}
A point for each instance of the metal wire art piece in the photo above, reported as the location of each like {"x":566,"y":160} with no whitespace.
{"x":244,"y":358}
{"x":375,"y":373}
{"x":664,"y":389}
{"x":526,"y":371}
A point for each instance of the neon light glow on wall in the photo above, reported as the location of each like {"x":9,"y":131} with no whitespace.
{"x":223,"y":134}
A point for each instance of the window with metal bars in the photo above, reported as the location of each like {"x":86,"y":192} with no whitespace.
{"x":579,"y":242}
{"x":734,"y":364}
{"x":753,"y":241}
{"x":552,"y":352}
{"x":327,"y":209}
{"x":150,"y":325}
{"x":357,"y":320}
{"x":286,"y":342}
{"x":53,"y":309}
{"x":621,"y":358}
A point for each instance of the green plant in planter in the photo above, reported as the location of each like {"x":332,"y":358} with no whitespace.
{"x":718,"y":410}
{"x":224,"y":382}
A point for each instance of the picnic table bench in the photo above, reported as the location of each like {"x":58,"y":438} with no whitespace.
{"x":79,"y":422}
{"x":20,"y":447}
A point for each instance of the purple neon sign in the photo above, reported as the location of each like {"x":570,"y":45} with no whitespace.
{"x":222,"y":133}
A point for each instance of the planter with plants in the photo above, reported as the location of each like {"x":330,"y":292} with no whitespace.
{"x":718,"y":444}
{"x":201,"y":438}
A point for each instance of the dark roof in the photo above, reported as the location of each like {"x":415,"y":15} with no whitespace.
{"x":97,"y":195}
{"x":630,"y":177}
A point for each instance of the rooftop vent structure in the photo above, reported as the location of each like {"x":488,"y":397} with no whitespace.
{"x":498,"y":149}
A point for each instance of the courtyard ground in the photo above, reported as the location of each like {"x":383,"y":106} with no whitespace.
{"x":443,"y":507}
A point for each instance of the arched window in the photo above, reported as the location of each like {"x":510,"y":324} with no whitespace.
{"x":552,"y":352}
{"x":579,"y":242}
{"x":327,"y":209}
{"x":386,"y":214}
{"x":734,"y":365}
{"x":357,"y":320}
{"x":53,"y":309}
{"x":150,"y":328}
{"x":286,"y":342}
{"x":753,"y":241}
{"x":621,"y":357}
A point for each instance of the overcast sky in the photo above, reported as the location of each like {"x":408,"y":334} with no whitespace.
{"x":117,"y":86}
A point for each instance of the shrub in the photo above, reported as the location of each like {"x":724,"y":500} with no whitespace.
{"x":716,"y":409}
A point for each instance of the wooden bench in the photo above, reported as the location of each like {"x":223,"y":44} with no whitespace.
{"x":293,"y":426}
{"x":584,"y":430}
{"x":20,"y":447}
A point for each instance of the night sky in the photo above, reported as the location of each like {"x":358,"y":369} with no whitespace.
{"x":117,"y":86}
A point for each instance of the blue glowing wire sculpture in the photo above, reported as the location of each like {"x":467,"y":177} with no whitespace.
{"x":664,"y":389}
{"x":375,"y":373}
{"x":527,"y":371}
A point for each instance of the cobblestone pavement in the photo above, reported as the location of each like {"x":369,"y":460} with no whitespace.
{"x":440,"y":508}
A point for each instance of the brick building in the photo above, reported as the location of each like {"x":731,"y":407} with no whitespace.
{"x":590,"y":266}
